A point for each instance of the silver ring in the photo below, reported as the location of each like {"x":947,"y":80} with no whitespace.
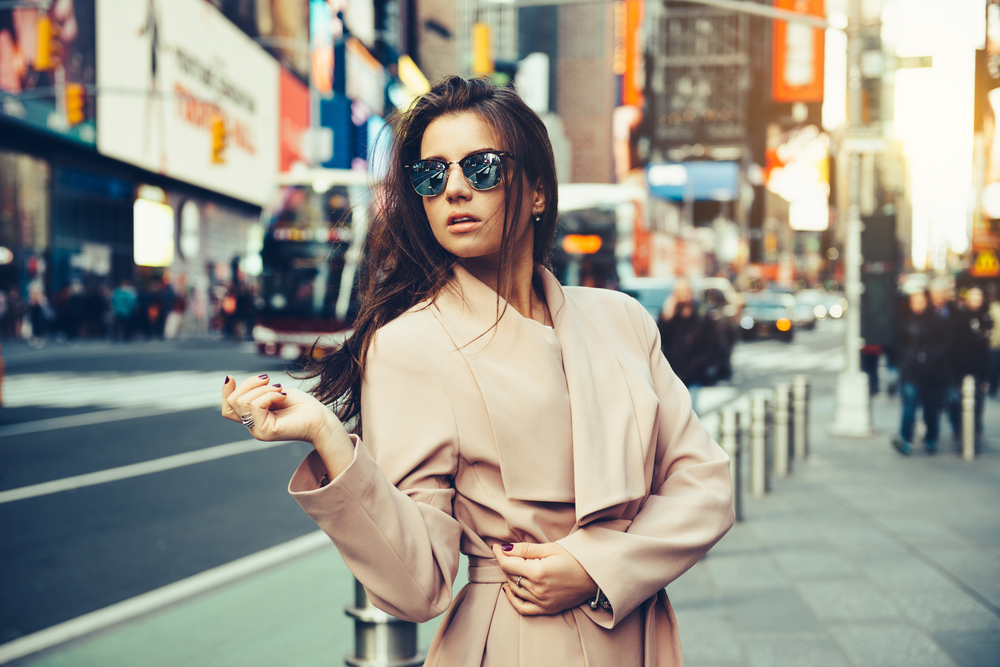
{"x":247,"y":420}
{"x":518,"y":582}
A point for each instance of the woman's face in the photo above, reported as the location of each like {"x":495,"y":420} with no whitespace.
{"x":467,"y":222}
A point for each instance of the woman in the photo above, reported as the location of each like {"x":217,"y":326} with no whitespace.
{"x":535,"y":428}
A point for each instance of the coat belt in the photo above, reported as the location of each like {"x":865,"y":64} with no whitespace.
{"x":485,"y":571}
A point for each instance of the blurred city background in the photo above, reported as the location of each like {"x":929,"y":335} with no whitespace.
{"x":184,"y":189}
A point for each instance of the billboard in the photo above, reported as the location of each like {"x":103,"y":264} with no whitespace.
{"x":186,"y":94}
{"x":35,"y":92}
{"x":294,"y":120}
{"x":797,"y":50}
{"x":281,"y":26}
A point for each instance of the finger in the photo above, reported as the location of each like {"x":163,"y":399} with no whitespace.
{"x":520,"y":605}
{"x":242,"y":405}
{"x":264,"y":426}
{"x":529,"y":550}
{"x":228,"y":386}
{"x":235,"y":396}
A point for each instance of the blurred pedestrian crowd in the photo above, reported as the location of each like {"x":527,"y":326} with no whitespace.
{"x":941,"y":340}
{"x":164,"y":309}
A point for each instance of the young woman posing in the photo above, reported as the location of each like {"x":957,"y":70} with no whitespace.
{"x":535,"y":428}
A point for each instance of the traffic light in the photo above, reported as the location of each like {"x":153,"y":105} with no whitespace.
{"x":218,"y":139}
{"x":46,"y":52}
{"x":482,"y":59}
{"x":74,"y":103}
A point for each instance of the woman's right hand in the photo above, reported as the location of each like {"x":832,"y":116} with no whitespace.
{"x":291,"y":414}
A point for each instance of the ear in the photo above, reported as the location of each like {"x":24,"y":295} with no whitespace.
{"x":538,"y":199}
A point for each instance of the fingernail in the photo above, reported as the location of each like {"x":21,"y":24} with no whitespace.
{"x":263,"y":377}
{"x":226,"y":381}
{"x":284,"y":394}
{"x":277,"y":386}
{"x":507,"y":547}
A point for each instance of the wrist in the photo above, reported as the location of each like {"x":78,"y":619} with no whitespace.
{"x":333,"y":444}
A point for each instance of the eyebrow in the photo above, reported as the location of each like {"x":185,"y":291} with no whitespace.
{"x":475,"y":152}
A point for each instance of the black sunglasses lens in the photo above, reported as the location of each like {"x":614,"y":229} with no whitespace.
{"x":483,"y":170}
{"x":427,"y":177}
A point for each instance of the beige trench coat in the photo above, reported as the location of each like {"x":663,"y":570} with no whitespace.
{"x":473,"y":440}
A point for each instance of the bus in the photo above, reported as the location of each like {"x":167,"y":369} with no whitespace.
{"x":314,"y":230}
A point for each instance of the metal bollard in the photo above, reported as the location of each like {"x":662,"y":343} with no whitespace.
{"x":759,"y":469}
{"x":800,"y":416}
{"x":729,"y":439}
{"x":781,"y":429}
{"x":381,"y":640}
{"x":968,"y":418}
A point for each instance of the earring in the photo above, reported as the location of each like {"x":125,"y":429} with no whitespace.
{"x":538,"y":216}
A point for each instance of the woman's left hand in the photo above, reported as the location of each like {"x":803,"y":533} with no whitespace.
{"x":543,"y":578}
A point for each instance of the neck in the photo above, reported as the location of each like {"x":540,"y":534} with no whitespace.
{"x":519,"y":292}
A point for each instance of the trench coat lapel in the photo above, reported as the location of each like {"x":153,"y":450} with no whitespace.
{"x":609,"y":448}
{"x":608,"y":451}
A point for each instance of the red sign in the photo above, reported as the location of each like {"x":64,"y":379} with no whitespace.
{"x":797,"y":52}
{"x":294,"y":119}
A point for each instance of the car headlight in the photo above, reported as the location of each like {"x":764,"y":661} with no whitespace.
{"x":264,"y":335}
{"x":819,"y":311}
{"x":746,"y":322}
{"x":836,"y":311}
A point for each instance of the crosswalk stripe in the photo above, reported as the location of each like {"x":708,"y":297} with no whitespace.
{"x":136,"y":469}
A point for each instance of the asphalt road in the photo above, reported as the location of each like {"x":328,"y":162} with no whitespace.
{"x":90,"y":408}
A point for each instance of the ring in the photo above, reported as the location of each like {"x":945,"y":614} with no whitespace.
{"x":247,"y":420}
{"x":518,"y":582}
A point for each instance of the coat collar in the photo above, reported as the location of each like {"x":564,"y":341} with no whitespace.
{"x":608,"y":446}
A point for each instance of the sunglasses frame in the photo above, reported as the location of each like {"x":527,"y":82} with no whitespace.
{"x":503,"y":155}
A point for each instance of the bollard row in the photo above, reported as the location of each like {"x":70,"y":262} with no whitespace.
{"x":778,"y":436}
{"x":381,"y":640}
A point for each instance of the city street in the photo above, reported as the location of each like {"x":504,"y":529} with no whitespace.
{"x":89,"y":529}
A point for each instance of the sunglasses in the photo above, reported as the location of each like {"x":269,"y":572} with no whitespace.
{"x":483,"y":171}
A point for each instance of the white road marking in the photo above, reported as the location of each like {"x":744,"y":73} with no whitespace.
{"x":161,"y":597}
{"x":136,"y":469}
{"x":113,"y":396}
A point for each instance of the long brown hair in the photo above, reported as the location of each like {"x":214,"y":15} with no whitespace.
{"x":404,"y":264}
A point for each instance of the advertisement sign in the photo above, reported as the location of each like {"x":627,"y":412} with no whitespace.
{"x":186,"y":94}
{"x":47,"y":67}
{"x":294,"y":120}
{"x":280,"y":26}
{"x":797,"y":51}
{"x":694,"y":181}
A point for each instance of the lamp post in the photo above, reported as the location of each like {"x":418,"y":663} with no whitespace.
{"x":852,"y":416}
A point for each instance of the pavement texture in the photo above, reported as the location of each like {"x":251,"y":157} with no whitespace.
{"x":860,"y":557}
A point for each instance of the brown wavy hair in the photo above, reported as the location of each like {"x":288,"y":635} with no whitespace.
{"x":403,"y":262}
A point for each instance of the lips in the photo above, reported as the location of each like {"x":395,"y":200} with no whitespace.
{"x":461,"y":218}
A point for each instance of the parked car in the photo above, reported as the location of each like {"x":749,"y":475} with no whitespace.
{"x":823,"y":305}
{"x":717,"y":299}
{"x":767,"y":314}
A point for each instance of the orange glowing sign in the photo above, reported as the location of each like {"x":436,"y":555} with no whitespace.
{"x":797,"y":55}
{"x":581,"y":244}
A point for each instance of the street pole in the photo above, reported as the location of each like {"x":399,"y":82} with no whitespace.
{"x":853,"y":412}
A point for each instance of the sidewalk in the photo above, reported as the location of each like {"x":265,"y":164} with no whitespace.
{"x":860,"y":557}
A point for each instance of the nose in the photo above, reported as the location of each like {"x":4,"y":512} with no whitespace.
{"x":456,"y":187}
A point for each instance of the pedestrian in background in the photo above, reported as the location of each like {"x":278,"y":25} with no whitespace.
{"x":972,"y":328}
{"x":123,"y":303}
{"x":533,"y":427}
{"x":994,"y":310}
{"x":690,"y":340}
{"x":921,"y":347}
{"x":940,"y":291}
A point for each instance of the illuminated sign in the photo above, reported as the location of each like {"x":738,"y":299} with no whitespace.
{"x":581,"y":244}
{"x":153,"y":225}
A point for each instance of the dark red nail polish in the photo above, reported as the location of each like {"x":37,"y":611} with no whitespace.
{"x":263,"y":377}
{"x":277,"y":386}
{"x":226,"y":381}
{"x":284,"y":394}
{"x":507,"y":547}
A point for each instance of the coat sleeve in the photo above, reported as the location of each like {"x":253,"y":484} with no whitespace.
{"x":689,"y":509}
{"x":390,"y":512}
